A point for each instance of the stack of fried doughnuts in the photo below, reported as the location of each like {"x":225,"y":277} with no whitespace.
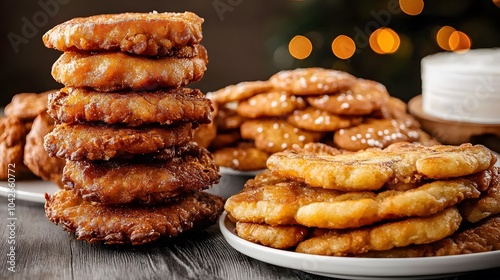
{"x":406,"y":200}
{"x":124,"y":124}
{"x":307,"y":105}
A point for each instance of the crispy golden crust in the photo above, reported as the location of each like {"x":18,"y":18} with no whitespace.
{"x":280,"y":237}
{"x":145,"y":182}
{"x":312,"y":81}
{"x":271,"y":104}
{"x":264,"y":178}
{"x":482,"y":237}
{"x":272,"y":136}
{"x":119,"y":71}
{"x":488,"y":204}
{"x":240,"y":91}
{"x":151,"y":34}
{"x":102,"y":142}
{"x":318,"y":120}
{"x":371,"y":169}
{"x":224,"y":140}
{"x":13,"y":133}
{"x":244,"y":157}
{"x":317,"y":148}
{"x":227,"y":119}
{"x":36,"y":158}
{"x":137,"y":225}
{"x":73,"y":105}
{"x":363,"y":97}
{"x":386,"y":236}
{"x":27,"y":106}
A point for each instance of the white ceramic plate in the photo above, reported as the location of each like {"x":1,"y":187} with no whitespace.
{"x":361,"y":268}
{"x":30,"y":190}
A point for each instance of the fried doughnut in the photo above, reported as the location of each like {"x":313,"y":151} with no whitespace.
{"x":421,"y":230}
{"x":280,"y":237}
{"x":312,"y":81}
{"x":27,"y":106}
{"x":372,"y":169}
{"x":119,"y":71}
{"x":244,"y":157}
{"x":361,"y":98}
{"x":273,"y":136}
{"x":317,"y":120}
{"x":36,"y":158}
{"x":94,"y":222}
{"x":377,"y":133}
{"x":13,"y":133}
{"x":240,"y":91}
{"x":147,"y":182}
{"x":271,"y":104}
{"x":103,"y":142}
{"x":149,"y":34}
{"x":165,"y":106}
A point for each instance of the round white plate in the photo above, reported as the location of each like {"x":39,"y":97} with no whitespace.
{"x":30,"y":190}
{"x":361,"y":268}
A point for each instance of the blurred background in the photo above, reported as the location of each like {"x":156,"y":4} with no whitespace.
{"x":382,"y":40}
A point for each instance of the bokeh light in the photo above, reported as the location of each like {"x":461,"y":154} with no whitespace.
{"x":384,"y":41}
{"x":343,"y":47}
{"x":443,"y":37}
{"x":300,"y":47}
{"x":497,"y":3}
{"x":411,"y":7}
{"x":459,"y":42}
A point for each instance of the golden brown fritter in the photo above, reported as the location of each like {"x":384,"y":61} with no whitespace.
{"x":94,"y":222}
{"x":314,"y":119}
{"x":27,"y":106}
{"x":13,"y":133}
{"x":166,"y":106}
{"x":151,"y":34}
{"x":239,"y":91}
{"x":244,"y":157}
{"x":488,"y":204}
{"x":482,"y":237}
{"x":280,"y":237}
{"x":113,"y":71}
{"x":147,"y":182}
{"x":102,"y":142}
{"x":36,"y":158}
{"x":270,"y":104}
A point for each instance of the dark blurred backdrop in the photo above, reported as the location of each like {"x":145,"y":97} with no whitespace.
{"x":249,"y":39}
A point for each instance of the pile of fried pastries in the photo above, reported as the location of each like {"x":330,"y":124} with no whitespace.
{"x":125,"y":123}
{"x":258,"y":118}
{"x":406,"y":200}
{"x":22,"y":130}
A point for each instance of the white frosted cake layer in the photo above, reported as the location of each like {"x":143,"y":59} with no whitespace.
{"x":463,"y":87}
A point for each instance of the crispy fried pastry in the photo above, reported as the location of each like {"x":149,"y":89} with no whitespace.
{"x":165,"y":106}
{"x":27,"y":106}
{"x":425,"y":200}
{"x":280,"y":237}
{"x":372,"y":168}
{"x":318,"y":120}
{"x":264,"y":178}
{"x":362,"y":98}
{"x":151,"y":34}
{"x":394,"y":108}
{"x":102,"y":142}
{"x":273,"y":136}
{"x":377,"y":133}
{"x":487,"y":204}
{"x":483,"y":237}
{"x":312,"y":81}
{"x":317,"y":148}
{"x":227,"y":119}
{"x":149,"y":182}
{"x":386,"y":236}
{"x":224,"y":140}
{"x":94,"y":222}
{"x":244,"y":157}
{"x":13,"y":133}
{"x":36,"y":158}
{"x":240,"y":91}
{"x":271,"y":104}
{"x":112,"y":71}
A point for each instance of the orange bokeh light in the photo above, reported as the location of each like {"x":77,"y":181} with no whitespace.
{"x":384,"y":41}
{"x":459,"y":42}
{"x":343,"y":47}
{"x":411,"y":7}
{"x":300,"y":47}
{"x":443,"y":37}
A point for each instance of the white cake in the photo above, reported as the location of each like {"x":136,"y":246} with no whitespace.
{"x":462,"y":87}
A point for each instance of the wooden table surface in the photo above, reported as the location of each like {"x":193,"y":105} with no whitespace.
{"x":45,"y":251}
